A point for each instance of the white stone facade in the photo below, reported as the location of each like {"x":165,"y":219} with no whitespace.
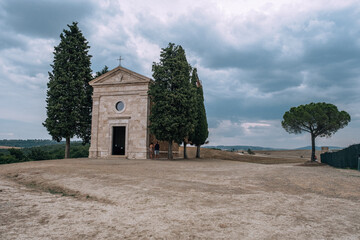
{"x":120,"y":84}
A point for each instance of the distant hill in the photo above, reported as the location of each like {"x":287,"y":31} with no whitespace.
{"x":28,"y":143}
{"x":319,"y":148}
{"x":240,"y":147}
{"x":257,"y":148}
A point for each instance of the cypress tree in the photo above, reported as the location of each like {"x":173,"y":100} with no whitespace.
{"x":171,"y":96}
{"x":200,"y":133}
{"x":193,"y":110}
{"x":103,"y":71}
{"x":69,"y":93}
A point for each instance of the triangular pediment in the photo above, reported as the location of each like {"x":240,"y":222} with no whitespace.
{"x":119,"y":75}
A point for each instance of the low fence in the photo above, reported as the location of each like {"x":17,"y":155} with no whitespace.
{"x":346,"y":158}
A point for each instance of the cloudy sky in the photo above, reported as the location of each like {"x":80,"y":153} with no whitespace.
{"x":256,"y":58}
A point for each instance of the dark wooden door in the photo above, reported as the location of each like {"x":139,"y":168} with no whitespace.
{"x":118,"y":147}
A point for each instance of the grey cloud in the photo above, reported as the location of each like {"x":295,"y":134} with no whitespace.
{"x":22,"y":130}
{"x":272,"y":80}
{"x":321,"y":67}
{"x":250,"y":59}
{"x":236,"y":108}
{"x":9,"y":40}
{"x":190,"y":32}
{"x":43,"y":18}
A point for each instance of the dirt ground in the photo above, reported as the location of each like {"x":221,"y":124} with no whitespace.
{"x":179,"y":199}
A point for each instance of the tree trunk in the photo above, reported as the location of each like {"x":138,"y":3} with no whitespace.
{"x":185,"y":152}
{"x":170,"y":155}
{"x":312,"y":147}
{"x":198,"y":151}
{"x":67,"y":148}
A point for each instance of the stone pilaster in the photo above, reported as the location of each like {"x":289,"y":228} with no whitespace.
{"x":93,"y":150}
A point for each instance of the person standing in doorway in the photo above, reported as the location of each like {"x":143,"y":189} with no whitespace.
{"x":157,"y":150}
{"x":151,"y":151}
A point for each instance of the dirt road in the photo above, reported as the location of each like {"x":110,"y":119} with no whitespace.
{"x":206,"y":199}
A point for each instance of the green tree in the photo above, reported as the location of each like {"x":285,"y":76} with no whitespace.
{"x":249,"y":151}
{"x":103,"y":71}
{"x":37,"y":153}
{"x":193,"y":109}
{"x":69,"y":93}
{"x":18,"y":154}
{"x":171,"y":97}
{"x":200,"y":133}
{"x":318,"y":119}
{"x":5,"y":159}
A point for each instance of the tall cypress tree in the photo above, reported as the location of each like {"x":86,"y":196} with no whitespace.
{"x":171,"y":96}
{"x":69,"y":93}
{"x":200,"y":133}
{"x":192,"y":118}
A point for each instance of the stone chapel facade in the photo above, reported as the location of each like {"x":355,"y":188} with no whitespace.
{"x":120,"y":116}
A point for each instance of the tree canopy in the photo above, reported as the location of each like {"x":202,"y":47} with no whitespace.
{"x":69,"y":93}
{"x":171,"y":97}
{"x":318,"y":119}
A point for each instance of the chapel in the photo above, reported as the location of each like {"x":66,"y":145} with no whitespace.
{"x":120,"y":116}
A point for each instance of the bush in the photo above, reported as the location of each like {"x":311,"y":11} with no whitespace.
{"x":250,"y":152}
{"x":77,"y":150}
{"x":5,"y":159}
{"x":18,"y":154}
{"x":38,"y":154}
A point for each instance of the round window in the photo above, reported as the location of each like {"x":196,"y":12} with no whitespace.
{"x":120,"y":106}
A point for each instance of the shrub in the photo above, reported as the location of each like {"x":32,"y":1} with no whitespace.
{"x":5,"y":159}
{"x":18,"y":154}
{"x":38,"y":154}
{"x":250,"y":152}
